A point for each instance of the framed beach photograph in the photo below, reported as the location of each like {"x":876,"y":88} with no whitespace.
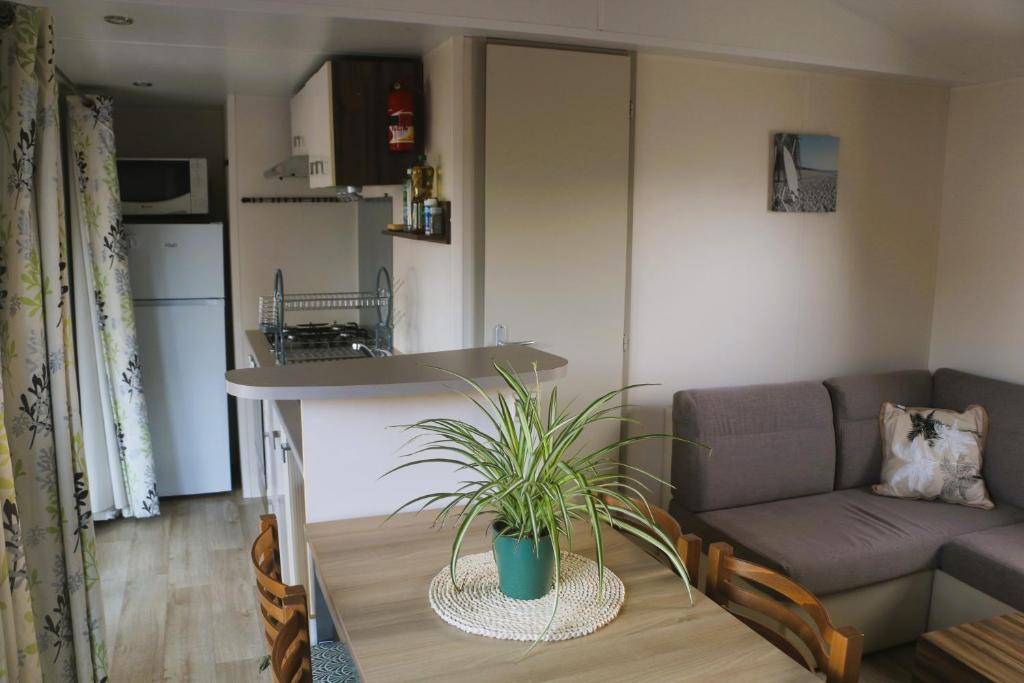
{"x":805,"y":173}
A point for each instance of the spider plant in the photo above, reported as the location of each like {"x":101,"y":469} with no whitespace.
{"x":531,"y":472}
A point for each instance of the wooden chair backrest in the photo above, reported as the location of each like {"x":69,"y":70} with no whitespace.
{"x":835,"y":651}
{"x":687,"y":545}
{"x":289,"y":657}
{"x":277,"y":600}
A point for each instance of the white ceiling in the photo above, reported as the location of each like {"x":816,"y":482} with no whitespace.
{"x":199,"y":55}
{"x":983,"y":40}
{"x":200,"y":50}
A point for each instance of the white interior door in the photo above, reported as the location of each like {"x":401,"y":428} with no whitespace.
{"x":556,"y":200}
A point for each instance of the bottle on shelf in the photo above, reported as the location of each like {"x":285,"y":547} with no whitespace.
{"x":421,"y":185}
{"x":422,"y":180}
{"x":430,"y":216}
{"x":407,"y":200}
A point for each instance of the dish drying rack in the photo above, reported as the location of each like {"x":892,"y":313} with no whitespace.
{"x":272,"y":309}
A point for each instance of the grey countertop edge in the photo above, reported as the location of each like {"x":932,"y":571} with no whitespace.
{"x":412,"y":374}
{"x":260,"y":347}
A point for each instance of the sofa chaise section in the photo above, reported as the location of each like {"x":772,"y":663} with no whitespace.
{"x":842,"y":540}
{"x":991,"y":561}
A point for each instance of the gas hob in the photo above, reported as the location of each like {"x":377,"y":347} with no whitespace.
{"x":318,"y":342}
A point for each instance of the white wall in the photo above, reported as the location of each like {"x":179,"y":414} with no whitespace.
{"x":979,"y":318}
{"x":724,"y":292}
{"x":437,"y":284}
{"x":314,"y":244}
{"x":424,"y":308}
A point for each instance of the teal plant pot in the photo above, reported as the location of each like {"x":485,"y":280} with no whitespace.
{"x":526,"y":567}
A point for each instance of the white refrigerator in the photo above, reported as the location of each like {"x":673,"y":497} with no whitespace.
{"x":177,"y":279}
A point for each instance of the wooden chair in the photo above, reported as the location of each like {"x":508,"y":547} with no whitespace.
{"x":290,"y":655}
{"x":835,"y":651}
{"x":687,"y":545}
{"x":286,"y":620}
{"x":277,"y":600}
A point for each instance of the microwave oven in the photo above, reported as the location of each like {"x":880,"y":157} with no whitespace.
{"x":163,"y":187}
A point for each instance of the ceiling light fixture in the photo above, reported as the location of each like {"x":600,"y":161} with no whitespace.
{"x":118,"y":20}
{"x":142,"y":84}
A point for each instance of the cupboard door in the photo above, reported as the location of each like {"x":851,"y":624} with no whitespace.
{"x":299,"y":122}
{"x":318,"y":120}
{"x":270,"y":468}
{"x":556,"y":204}
{"x":361,"y":89}
{"x":297,"y":517}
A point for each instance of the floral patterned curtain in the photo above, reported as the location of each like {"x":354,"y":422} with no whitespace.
{"x":108,"y":313}
{"x":50,"y":608}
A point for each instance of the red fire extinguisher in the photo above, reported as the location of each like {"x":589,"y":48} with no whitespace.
{"x":401,"y":137}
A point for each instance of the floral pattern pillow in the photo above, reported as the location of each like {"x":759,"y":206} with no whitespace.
{"x":931,"y":453}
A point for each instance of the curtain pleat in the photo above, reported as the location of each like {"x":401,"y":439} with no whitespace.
{"x":50,"y":546}
{"x":96,"y":218}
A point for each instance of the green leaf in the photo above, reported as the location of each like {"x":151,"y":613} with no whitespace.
{"x":528,"y":469}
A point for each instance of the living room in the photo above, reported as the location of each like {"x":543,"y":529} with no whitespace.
{"x":789,"y":228}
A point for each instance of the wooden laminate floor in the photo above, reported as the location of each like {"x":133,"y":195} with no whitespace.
{"x":178,"y":592}
{"x":180,"y":602}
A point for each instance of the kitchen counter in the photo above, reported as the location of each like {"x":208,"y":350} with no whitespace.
{"x":290,"y":411}
{"x":261,"y":350}
{"x":406,"y":375}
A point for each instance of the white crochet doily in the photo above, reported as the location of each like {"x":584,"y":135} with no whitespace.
{"x":481,"y":608}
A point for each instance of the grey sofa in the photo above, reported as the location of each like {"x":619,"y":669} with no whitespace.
{"x":788,"y":485}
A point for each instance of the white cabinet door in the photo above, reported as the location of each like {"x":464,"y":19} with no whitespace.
{"x":556,"y":210}
{"x":299,"y":122}
{"x":270,"y":438}
{"x":296,"y":512}
{"x":288,"y":502}
{"x":318,"y":120}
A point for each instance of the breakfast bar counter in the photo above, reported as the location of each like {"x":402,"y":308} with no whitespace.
{"x":348,"y":413}
{"x":335,"y":430}
{"x":399,"y":375}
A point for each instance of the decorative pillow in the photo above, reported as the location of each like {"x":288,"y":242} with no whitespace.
{"x":930,"y":453}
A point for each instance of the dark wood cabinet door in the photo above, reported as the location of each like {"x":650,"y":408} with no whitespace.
{"x":361,"y":89}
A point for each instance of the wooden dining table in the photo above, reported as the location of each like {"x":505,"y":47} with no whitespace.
{"x":374,"y":576}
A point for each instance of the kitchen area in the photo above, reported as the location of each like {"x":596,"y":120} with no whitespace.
{"x":306,"y":248}
{"x":355,"y":264}
{"x":319,"y":210}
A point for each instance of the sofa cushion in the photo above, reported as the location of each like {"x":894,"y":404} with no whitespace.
{"x":934,"y":453}
{"x":856,"y":401}
{"x":1003,"y":468}
{"x":991,"y":561}
{"x":768,"y":442}
{"x":846,"y":539}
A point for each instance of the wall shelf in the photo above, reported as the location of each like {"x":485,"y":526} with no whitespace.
{"x":419,"y":236}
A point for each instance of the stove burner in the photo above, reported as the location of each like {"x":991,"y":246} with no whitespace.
{"x":322,"y":341}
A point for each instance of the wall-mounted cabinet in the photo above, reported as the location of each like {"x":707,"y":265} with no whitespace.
{"x":312,"y":112}
{"x":340,"y":120}
{"x":299,"y":124}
